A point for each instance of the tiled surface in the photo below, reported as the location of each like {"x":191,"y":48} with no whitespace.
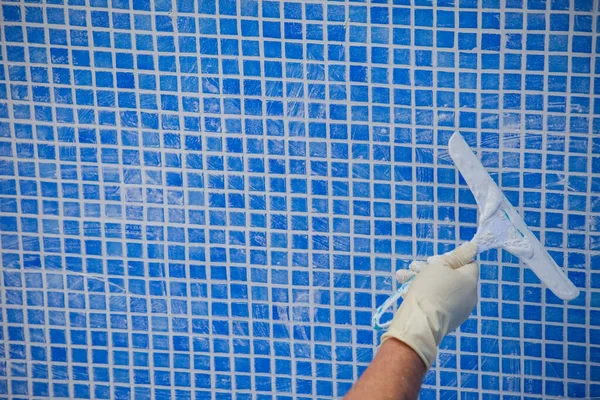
{"x":207,"y":199}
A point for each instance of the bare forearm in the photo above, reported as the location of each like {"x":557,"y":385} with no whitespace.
{"x":396,"y":373}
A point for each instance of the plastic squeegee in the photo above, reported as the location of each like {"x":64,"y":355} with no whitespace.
{"x":501,"y":227}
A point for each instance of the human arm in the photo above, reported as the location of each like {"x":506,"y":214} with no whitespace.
{"x":395,"y":373}
{"x":440,"y":298}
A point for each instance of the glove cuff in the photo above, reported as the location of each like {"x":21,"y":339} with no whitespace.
{"x":418,"y":336}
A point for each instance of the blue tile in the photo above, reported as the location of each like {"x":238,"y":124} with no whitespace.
{"x":215,"y":169}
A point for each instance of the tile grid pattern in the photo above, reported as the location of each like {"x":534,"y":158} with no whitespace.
{"x":207,"y":199}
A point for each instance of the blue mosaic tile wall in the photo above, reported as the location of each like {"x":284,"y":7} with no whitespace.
{"x":207,"y":199}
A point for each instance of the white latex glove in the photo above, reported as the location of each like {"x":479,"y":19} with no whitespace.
{"x":440,"y":298}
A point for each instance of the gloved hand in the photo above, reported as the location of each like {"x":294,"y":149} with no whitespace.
{"x":440,"y":298}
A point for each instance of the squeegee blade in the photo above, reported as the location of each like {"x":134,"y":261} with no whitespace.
{"x":540,"y":262}
{"x":469,"y":165}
